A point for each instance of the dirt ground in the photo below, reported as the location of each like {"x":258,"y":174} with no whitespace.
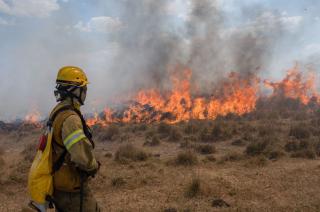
{"x":243,"y":165}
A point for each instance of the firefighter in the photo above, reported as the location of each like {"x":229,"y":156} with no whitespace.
{"x":72,"y":145}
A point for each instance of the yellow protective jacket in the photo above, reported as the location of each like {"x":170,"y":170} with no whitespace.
{"x":68,"y":134}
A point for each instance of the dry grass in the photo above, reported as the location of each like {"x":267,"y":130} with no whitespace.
{"x":175,"y":135}
{"x":128,"y":153}
{"x":232,"y":157}
{"x":205,"y":149}
{"x":29,"y":152}
{"x":110,"y":133}
{"x":236,"y":171}
{"x":153,"y":141}
{"x":186,"y":158}
{"x":194,"y":188}
{"x":300,"y":131}
{"x":118,"y":182}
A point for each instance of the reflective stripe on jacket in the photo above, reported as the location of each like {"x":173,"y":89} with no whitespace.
{"x":68,"y":134}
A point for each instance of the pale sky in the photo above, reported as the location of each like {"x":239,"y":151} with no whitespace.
{"x":39,"y":36}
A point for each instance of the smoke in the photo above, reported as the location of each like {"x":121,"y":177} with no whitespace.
{"x":150,"y":48}
{"x":147,"y":47}
{"x":150,"y":41}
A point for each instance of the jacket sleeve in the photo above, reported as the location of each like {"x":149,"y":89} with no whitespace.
{"x":77,"y":144}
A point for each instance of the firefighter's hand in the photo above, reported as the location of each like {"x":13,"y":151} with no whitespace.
{"x":94,"y":171}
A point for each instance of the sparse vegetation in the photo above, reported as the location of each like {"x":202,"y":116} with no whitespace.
{"x":226,"y":152}
{"x":187,"y":158}
{"x":110,"y":133}
{"x":117,"y":182}
{"x":29,"y":152}
{"x":232,"y":156}
{"x":305,"y":153}
{"x":164,"y":129}
{"x":155,"y":141}
{"x":128,"y":152}
{"x":256,"y":148}
{"x":205,"y":149}
{"x":175,"y":134}
{"x":238,"y":142}
{"x":194,"y":188}
{"x":299,"y":132}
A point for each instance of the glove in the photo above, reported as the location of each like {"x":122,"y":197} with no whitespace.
{"x":94,"y":171}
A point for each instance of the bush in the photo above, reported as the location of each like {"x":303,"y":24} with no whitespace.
{"x":164,"y":129}
{"x":129,"y":152}
{"x":238,"y":142}
{"x":257,"y":161}
{"x":291,"y":146}
{"x":299,"y":132}
{"x":111,"y":132}
{"x":306,"y":153}
{"x":205,"y":149}
{"x":204,"y":135}
{"x":175,"y":134}
{"x":266,"y":130}
{"x":194,"y":188}
{"x":210,"y":158}
{"x":191,"y":128}
{"x":117,"y":182}
{"x":221,"y":131}
{"x":256,"y":148}
{"x":187,"y":158}
{"x":155,"y":141}
{"x":232,"y":156}
{"x":150,"y":134}
{"x":274,"y":155}
{"x":29,"y":152}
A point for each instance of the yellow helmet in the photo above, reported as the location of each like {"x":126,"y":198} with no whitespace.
{"x":71,"y":75}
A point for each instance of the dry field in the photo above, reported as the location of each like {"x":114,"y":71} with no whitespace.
{"x":264,"y":161}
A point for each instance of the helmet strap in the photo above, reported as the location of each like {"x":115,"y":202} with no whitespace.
{"x":67,"y":91}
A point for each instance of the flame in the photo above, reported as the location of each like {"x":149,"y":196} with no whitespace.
{"x":238,"y":95}
{"x":295,"y":85}
{"x":34,"y":118}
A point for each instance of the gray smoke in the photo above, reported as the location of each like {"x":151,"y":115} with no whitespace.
{"x":151,"y":43}
{"x":149,"y":48}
